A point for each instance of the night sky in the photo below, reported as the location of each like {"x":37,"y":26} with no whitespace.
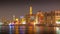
{"x":21,"y":7}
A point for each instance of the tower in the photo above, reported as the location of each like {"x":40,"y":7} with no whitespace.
{"x":30,"y":10}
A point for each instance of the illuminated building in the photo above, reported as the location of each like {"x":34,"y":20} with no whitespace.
{"x":40,"y":16}
{"x":57,"y":17}
{"x":52,"y":17}
{"x":49,"y":17}
{"x":36,"y":20}
{"x":57,"y":21}
{"x":30,"y":18}
{"x":22,"y":20}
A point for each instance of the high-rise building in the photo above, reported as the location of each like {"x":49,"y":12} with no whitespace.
{"x":30,"y":18}
{"x":30,"y":10}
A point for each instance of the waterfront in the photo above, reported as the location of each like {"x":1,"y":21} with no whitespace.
{"x":29,"y":30}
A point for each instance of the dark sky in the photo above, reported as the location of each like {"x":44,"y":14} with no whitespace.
{"x":21,"y":7}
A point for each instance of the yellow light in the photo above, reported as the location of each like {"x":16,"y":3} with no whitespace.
{"x":16,"y":19}
{"x":24,"y":22}
{"x":36,"y":19}
{"x":34,"y":23}
{"x":57,"y":28}
{"x":30,"y":9}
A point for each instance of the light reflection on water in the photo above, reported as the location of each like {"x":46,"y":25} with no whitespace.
{"x":0,"y":28}
{"x":22,"y":29}
{"x":37,"y":30}
{"x":57,"y":30}
{"x":32,"y":30}
{"x":11,"y":29}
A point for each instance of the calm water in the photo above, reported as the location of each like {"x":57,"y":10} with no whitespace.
{"x":29,"y":30}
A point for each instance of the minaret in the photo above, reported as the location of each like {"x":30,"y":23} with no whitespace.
{"x":30,"y":10}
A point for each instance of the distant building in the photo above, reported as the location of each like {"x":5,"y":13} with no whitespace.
{"x":40,"y":17}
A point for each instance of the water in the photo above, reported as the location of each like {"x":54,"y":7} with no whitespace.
{"x":11,"y":29}
{"x":57,"y":30}
{"x":30,"y":30}
{"x":22,"y":29}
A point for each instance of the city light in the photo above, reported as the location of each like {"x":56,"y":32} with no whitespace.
{"x":35,"y":22}
{"x":1,"y":26}
{"x":1,"y":23}
{"x":16,"y":19}
{"x":57,"y":22}
{"x":11,"y":27}
{"x":30,"y":10}
{"x":23,"y":22}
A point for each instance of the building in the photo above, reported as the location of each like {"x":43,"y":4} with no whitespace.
{"x":40,"y":17}
{"x":30,"y":18}
{"x":49,"y":17}
{"x":57,"y":21}
{"x":57,"y":17}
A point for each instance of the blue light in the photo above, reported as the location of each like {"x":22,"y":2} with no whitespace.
{"x":22,"y":29}
{"x":11,"y":28}
{"x":21,"y":16}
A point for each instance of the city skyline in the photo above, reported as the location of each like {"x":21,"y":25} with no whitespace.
{"x":29,"y":17}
